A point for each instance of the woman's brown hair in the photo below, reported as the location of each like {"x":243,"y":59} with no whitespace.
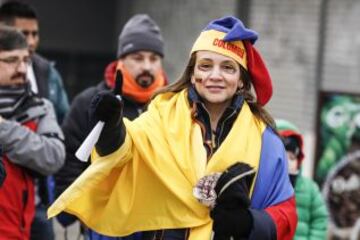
{"x":258,"y":110}
{"x":185,"y":81}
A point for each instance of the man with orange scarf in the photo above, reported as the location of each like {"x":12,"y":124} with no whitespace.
{"x":140,"y":53}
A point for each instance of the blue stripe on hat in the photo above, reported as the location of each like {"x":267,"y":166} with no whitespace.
{"x":234,"y":28}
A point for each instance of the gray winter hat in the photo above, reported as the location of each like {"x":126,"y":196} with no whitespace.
{"x":140,"y":33}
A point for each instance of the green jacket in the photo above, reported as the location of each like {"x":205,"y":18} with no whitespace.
{"x":311,"y":210}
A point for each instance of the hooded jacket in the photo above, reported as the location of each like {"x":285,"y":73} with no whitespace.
{"x":310,"y":205}
{"x":311,"y":210}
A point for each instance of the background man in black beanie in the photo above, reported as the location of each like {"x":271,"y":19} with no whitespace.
{"x":140,"y":53}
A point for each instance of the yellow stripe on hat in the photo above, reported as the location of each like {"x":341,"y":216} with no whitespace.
{"x":211,"y":40}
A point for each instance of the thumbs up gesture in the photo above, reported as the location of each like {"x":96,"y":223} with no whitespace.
{"x":107,"y":106}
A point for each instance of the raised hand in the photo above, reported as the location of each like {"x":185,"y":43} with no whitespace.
{"x":107,"y":106}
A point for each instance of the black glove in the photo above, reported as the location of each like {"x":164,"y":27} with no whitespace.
{"x":231,"y":214}
{"x":106,"y":107}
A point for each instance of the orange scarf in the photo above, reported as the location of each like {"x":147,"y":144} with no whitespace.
{"x":130,"y":88}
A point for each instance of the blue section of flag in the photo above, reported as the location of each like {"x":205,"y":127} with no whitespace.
{"x":272,"y":184}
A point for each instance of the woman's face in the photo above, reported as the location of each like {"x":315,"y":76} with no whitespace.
{"x":216,"y":77}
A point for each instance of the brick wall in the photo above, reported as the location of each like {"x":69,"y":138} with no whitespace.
{"x":288,"y":42}
{"x":342,"y":47}
{"x":291,"y":43}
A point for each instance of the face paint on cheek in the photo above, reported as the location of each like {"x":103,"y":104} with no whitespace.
{"x":202,"y":79}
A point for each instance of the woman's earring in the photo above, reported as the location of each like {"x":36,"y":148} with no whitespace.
{"x":192,"y":80}
{"x":240,"y":91}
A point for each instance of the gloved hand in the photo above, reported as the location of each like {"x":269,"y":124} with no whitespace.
{"x":106,"y":107}
{"x":231,"y":214}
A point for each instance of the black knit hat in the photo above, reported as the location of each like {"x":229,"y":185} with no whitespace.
{"x":140,"y":33}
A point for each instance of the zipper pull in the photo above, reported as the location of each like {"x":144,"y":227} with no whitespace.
{"x":213,"y":139}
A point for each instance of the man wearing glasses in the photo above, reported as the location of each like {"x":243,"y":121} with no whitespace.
{"x":30,"y":137}
{"x":44,"y":78}
{"x":45,"y":81}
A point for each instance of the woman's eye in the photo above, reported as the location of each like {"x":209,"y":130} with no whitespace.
{"x":204,"y":66}
{"x":229,"y":68}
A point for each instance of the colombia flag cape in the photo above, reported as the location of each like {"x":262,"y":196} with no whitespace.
{"x":147,"y":183}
